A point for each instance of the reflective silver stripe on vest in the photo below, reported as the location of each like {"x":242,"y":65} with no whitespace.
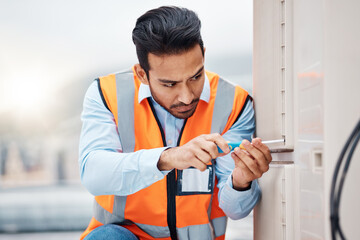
{"x":198,"y":232}
{"x":125,"y":92}
{"x":155,"y":231}
{"x":219,"y":225}
{"x":119,"y":206}
{"x":223,"y":105}
{"x":104,"y":216}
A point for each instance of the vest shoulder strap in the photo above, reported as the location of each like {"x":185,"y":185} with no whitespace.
{"x":118,"y":92}
{"x":125,"y":91}
{"x":223,"y":105}
{"x":230,"y":100}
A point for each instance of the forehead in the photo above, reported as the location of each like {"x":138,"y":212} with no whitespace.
{"x":176,"y":67}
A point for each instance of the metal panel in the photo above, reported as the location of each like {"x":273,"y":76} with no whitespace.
{"x":275,"y":215}
{"x":273,"y":77}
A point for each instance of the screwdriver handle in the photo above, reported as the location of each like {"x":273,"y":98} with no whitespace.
{"x":233,"y":145}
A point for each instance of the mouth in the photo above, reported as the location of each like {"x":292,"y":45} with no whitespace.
{"x":186,"y":108}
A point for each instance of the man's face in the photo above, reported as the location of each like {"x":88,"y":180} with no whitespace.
{"x":176,"y":81}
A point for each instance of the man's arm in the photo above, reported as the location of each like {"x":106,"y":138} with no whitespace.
{"x":104,"y":169}
{"x":237,"y":203}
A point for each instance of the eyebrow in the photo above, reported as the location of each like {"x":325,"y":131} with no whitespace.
{"x":197,"y":73}
{"x":174,"y":81}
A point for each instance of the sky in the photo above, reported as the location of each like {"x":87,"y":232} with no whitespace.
{"x":47,"y":44}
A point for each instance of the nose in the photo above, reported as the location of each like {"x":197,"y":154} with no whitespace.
{"x":186,"y":95}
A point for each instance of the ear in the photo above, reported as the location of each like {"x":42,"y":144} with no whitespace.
{"x":141,"y":74}
{"x":204,"y":54}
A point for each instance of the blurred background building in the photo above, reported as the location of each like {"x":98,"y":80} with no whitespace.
{"x":50,"y":52}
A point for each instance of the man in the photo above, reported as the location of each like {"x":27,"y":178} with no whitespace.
{"x":149,"y":147}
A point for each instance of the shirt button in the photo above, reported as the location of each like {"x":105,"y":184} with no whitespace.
{"x":156,"y":177}
{"x":169,"y":142}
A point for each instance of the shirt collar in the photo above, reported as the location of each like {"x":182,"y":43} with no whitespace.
{"x":144,"y":91}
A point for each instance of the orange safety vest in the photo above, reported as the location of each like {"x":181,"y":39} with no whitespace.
{"x":161,"y":211}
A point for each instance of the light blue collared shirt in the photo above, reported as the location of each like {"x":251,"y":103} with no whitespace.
{"x":105,"y":170}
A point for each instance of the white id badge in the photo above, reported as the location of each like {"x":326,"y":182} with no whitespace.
{"x":193,"y":181}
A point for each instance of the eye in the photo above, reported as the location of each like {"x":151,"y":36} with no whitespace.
{"x":169,"y":85}
{"x":197,"y":77}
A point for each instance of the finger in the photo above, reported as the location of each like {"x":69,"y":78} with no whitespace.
{"x":246,"y":152}
{"x":202,"y":155}
{"x":240,"y":164}
{"x":211,"y":148}
{"x":198,"y":164}
{"x":256,"y":153}
{"x":222,"y":154}
{"x":263,"y":148}
{"x":249,"y":162}
{"x":219,"y":141}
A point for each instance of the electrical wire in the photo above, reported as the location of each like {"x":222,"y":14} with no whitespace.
{"x":333,"y":211}
{"x":336,"y":189}
{"x":342,"y":180}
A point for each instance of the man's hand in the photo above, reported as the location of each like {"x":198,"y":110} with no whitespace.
{"x":196,"y":153}
{"x":251,"y":163}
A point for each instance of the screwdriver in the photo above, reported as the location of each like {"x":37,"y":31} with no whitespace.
{"x":233,"y":145}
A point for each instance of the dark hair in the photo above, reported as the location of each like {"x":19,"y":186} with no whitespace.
{"x":166,"y":30}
